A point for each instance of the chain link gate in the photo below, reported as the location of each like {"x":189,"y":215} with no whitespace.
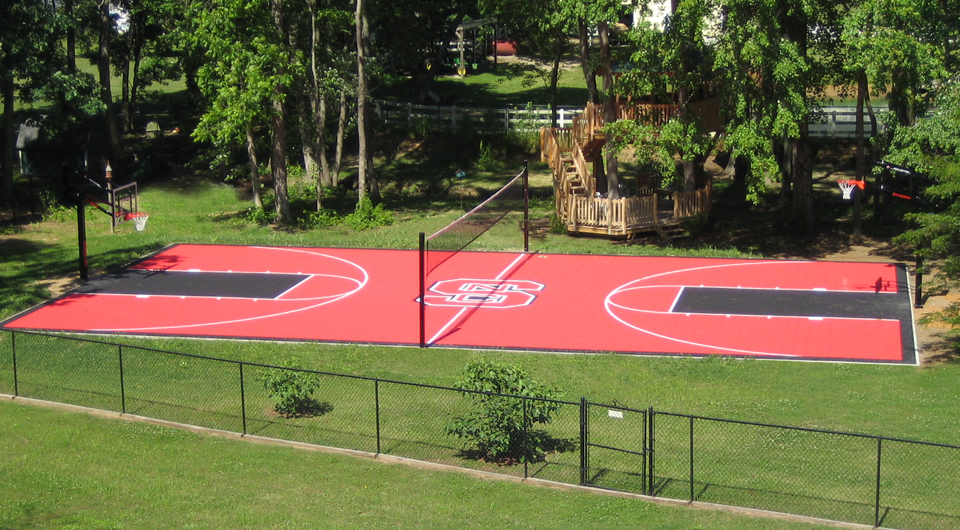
{"x":615,"y":452}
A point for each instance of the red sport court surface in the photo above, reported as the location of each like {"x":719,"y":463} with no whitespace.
{"x":803,"y":310}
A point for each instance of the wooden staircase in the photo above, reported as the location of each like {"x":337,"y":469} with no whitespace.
{"x":571,"y":153}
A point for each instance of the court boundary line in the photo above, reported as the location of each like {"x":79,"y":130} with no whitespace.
{"x":911,"y":357}
{"x":510,"y":269}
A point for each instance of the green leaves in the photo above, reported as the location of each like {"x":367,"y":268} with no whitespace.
{"x":291,"y":391}
{"x":501,"y":425}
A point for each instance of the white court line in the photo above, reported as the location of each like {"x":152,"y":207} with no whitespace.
{"x":361,"y":283}
{"x":456,"y":318}
{"x":676,"y":299}
{"x":681,"y":287}
{"x":632,"y":285}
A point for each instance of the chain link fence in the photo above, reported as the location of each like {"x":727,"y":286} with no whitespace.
{"x":837,"y":476}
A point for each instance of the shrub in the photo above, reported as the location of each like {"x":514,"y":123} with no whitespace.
{"x":367,"y":216}
{"x":501,"y":427}
{"x":486,"y":158}
{"x":259,"y":215}
{"x":321,"y":219}
{"x":291,"y":391}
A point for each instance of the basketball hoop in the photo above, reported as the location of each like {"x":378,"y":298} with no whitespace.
{"x":139,"y":219}
{"x":847,"y":186}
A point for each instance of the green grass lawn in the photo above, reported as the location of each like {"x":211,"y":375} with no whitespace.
{"x":71,"y":471}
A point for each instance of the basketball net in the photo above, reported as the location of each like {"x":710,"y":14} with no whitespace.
{"x":847,"y":187}
{"x":139,"y":219}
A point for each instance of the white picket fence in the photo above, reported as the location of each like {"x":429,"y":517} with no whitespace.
{"x":453,"y":118}
{"x":833,"y":122}
{"x":840,"y":122}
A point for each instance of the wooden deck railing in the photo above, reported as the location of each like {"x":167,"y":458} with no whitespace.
{"x":616,"y":217}
{"x":575,"y":187}
{"x":583,"y":171}
{"x":588,"y":123}
{"x":648,"y":113}
{"x":692,"y":203}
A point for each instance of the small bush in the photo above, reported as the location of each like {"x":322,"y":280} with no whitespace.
{"x":323,"y":218}
{"x":51,"y":207}
{"x":556,"y":225}
{"x":368,"y":216}
{"x":486,"y":159}
{"x":501,"y":427}
{"x":291,"y":391}
{"x":259,"y":215}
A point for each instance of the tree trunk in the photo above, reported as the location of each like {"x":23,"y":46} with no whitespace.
{"x":798,"y":155}
{"x":554,"y":84}
{"x":134,"y":90}
{"x":278,"y":146}
{"x":308,"y":143}
{"x":254,"y":168}
{"x":126,"y":112}
{"x":341,"y":135}
{"x":593,"y":95}
{"x":278,"y":157}
{"x":795,"y":24}
{"x":861,"y":141}
{"x":609,"y":110}
{"x":66,"y":104}
{"x":9,"y":137}
{"x":106,"y":95}
{"x":318,"y":104}
{"x":126,"y":118}
{"x":71,"y":37}
{"x":320,"y":121}
{"x":361,"y":103}
{"x":365,"y":176}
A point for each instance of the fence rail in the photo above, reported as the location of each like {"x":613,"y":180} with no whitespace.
{"x":848,"y":477}
{"x":831,"y":122}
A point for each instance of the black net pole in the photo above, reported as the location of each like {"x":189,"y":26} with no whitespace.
{"x":526,"y":206}
{"x":82,"y":239}
{"x":422,"y":282}
{"x":918,"y":287}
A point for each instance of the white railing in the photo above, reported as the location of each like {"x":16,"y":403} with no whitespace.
{"x":832,"y":122}
{"x":840,"y":122}
{"x":453,"y":118}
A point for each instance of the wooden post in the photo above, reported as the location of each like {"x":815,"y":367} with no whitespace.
{"x":111,"y":198}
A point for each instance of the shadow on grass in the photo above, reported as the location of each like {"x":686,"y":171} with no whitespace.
{"x":546,"y":444}
{"x":308,"y":408}
{"x":861,"y":512}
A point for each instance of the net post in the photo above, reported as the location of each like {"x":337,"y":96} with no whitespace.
{"x":82,"y":239}
{"x":422,"y":285}
{"x":918,"y":282}
{"x":526,"y":206}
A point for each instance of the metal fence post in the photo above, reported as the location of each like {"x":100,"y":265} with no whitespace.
{"x":876,"y":513}
{"x":651,"y":451}
{"x":526,"y":441}
{"x":243,"y":401}
{"x":583,"y":441}
{"x":123,"y":394}
{"x":13,"y":350}
{"x":376,"y":398}
{"x":691,"y":459}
